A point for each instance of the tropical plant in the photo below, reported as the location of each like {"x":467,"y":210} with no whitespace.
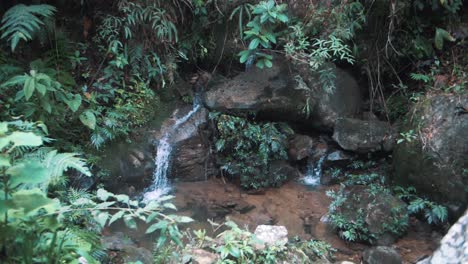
{"x":407,"y":136}
{"x":248,"y":150}
{"x":262,"y":32}
{"x":433,"y":213}
{"x":233,"y":245}
{"x":20,"y":22}
{"x":37,"y":227}
{"x":352,"y":225}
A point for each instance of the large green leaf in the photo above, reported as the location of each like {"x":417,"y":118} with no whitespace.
{"x":57,"y":164}
{"x":102,"y":218}
{"x":73,"y":101}
{"x":33,"y":200}
{"x":4,"y":161}
{"x":29,"y":172}
{"x":3,"y":128}
{"x":88,"y":119}
{"x":29,"y":87}
{"x":21,"y":139}
{"x":440,"y":36}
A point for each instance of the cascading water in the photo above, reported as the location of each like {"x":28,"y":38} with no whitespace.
{"x":160,"y":185}
{"x":314,"y":173}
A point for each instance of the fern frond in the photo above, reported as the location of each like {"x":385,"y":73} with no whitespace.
{"x":420,"y":77}
{"x":21,"y":21}
{"x":57,"y":164}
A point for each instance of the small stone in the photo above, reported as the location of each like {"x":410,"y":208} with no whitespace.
{"x":338,"y":155}
{"x":200,"y":256}
{"x":134,"y":161}
{"x":271,"y":235}
{"x":138,"y":154}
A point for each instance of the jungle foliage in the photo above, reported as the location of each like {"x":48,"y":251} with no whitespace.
{"x":44,"y":221}
{"x":249,"y":149}
{"x":86,"y":78}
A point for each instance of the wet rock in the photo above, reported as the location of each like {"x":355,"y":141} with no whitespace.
{"x":126,"y":249}
{"x":338,"y":156}
{"x":300,"y":147}
{"x":281,"y":169}
{"x":454,"y":246}
{"x":381,"y":255}
{"x":201,"y":256}
{"x":243,"y":207}
{"x":133,"y":165}
{"x":319,"y":149}
{"x":134,"y":161}
{"x":267,"y":91}
{"x":281,"y":92}
{"x":344,"y":101}
{"x":272,"y":235}
{"x":436,"y":158}
{"x":137,"y":153}
{"x":378,"y":213}
{"x":364,"y":136}
{"x":192,"y":161}
{"x":192,"y":157}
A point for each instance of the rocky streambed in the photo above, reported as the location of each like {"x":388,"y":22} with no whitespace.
{"x":338,"y":135}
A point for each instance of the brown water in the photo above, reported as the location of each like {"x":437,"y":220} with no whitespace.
{"x":293,"y":205}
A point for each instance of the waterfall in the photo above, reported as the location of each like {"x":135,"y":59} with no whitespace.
{"x":314,"y":172}
{"x":160,"y":185}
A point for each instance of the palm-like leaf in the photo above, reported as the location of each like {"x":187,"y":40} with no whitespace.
{"x":21,"y":21}
{"x":57,"y":164}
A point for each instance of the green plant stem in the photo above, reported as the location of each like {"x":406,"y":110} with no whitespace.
{"x":51,"y":248}
{"x":5,"y":224}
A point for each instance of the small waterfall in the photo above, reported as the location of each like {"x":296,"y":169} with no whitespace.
{"x":314,"y":173}
{"x":160,"y":185}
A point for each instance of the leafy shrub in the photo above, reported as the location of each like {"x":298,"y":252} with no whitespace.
{"x":21,"y":22}
{"x":235,"y":245}
{"x":433,"y":213}
{"x":351,"y":208}
{"x":248,"y":150}
{"x":37,"y":227}
{"x":262,"y":32}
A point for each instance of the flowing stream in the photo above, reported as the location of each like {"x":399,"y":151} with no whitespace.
{"x":161,"y":185}
{"x":314,"y":173}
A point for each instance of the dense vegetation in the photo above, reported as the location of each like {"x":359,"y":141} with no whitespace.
{"x":71,"y":82}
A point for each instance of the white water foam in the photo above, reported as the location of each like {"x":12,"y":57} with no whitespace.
{"x":314,"y":173}
{"x":160,"y":185}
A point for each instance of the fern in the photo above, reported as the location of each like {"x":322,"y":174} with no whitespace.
{"x":57,"y":164}
{"x":21,"y":21}
{"x":420,"y":77}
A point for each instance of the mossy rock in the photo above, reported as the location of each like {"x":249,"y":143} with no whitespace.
{"x":435,"y":162}
{"x":371,"y":214}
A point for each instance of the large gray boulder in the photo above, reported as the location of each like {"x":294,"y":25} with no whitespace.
{"x":454,"y":246}
{"x":381,"y":255}
{"x":364,"y":136}
{"x":435,"y":159}
{"x":268,"y":91}
{"x":344,"y":101}
{"x":280,"y":93}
